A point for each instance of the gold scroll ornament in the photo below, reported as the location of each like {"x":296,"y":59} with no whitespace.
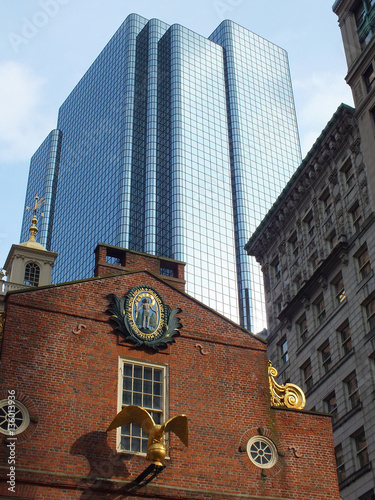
{"x":288,"y":395}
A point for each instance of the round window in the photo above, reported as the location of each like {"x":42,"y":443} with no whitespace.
{"x":14,"y":418}
{"x":262,"y":452}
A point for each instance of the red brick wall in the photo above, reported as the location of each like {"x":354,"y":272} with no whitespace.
{"x":131,"y":261}
{"x":217,"y":377}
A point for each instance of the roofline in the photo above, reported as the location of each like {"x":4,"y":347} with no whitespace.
{"x":136,"y":271}
{"x":340,"y":110}
{"x":336,"y":5}
{"x":139,"y":253}
{"x":308,"y":412}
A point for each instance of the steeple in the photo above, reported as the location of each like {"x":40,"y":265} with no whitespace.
{"x":28,"y":264}
{"x":31,"y":242}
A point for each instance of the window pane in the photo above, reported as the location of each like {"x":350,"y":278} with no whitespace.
{"x":128,"y":383}
{"x":137,"y":399}
{"x":147,"y":387}
{"x":127,"y":398}
{"x":157,"y":389}
{"x":137,"y":385}
{"x":142,"y":386}
{"x":128,"y":370}
{"x":157,"y":402}
{"x":136,"y":444}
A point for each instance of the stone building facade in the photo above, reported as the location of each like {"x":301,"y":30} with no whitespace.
{"x":356,"y":20}
{"x":68,"y":372}
{"x":317,"y":251}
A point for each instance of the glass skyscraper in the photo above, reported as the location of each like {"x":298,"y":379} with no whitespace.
{"x":176,"y":145}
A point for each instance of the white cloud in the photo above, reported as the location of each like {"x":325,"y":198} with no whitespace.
{"x":317,"y":98}
{"x":20,"y":120}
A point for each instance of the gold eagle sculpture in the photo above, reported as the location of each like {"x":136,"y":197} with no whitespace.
{"x":155,"y":448}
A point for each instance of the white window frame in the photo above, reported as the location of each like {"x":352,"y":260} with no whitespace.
{"x":120,"y":406}
{"x":19,"y":411}
{"x":33,"y":271}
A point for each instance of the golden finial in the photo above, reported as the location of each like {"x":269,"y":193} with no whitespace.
{"x":33,"y":229}
{"x":288,"y":395}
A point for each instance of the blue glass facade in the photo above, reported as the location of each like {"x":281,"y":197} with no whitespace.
{"x":264,"y":142}
{"x":175,"y":145}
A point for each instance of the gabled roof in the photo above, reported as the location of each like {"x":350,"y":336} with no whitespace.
{"x":128,"y":273}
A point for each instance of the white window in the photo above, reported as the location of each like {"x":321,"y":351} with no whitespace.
{"x":142,"y":384}
{"x":262,"y":452}
{"x":14,"y":417}
{"x":32,"y":273}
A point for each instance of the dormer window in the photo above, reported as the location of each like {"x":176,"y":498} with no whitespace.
{"x":32,"y":272}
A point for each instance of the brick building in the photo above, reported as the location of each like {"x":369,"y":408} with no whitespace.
{"x":67,"y":371}
{"x":317,"y":251}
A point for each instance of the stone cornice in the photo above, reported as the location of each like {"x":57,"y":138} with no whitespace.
{"x":332,"y":140}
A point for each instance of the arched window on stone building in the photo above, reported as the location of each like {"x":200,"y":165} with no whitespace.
{"x":32,"y":272}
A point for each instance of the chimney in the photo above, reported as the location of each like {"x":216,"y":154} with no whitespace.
{"x":111,"y":260}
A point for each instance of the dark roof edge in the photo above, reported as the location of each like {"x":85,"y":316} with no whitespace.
{"x":139,"y":253}
{"x":336,"y":5}
{"x":308,"y":412}
{"x":156,"y":276}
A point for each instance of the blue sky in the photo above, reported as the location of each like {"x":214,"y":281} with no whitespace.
{"x":47,"y":45}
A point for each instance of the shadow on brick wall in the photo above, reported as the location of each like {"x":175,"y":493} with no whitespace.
{"x":104,"y":465}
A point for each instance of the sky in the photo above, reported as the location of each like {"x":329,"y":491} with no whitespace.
{"x":47,"y":45}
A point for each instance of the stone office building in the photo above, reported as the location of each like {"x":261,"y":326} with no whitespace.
{"x":317,"y":251}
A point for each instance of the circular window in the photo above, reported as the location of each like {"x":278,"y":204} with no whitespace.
{"x":262,"y":452}
{"x":14,"y":418}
